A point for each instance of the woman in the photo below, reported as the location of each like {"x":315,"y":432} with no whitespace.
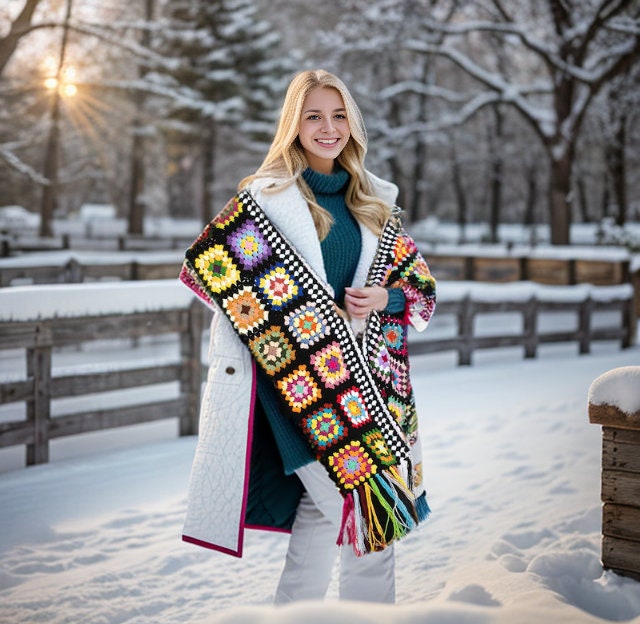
{"x":308,"y":423}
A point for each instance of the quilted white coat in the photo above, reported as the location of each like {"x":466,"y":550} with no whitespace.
{"x":218,"y":488}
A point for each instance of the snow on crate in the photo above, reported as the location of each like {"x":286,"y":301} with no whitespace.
{"x":619,"y":387}
{"x":24,"y":303}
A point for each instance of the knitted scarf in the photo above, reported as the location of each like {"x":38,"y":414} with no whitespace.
{"x":337,"y":388}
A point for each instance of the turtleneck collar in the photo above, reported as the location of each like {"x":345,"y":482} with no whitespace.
{"x":323,"y":183}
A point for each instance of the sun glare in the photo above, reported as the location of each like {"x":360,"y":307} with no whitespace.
{"x":69,"y":90}
{"x":66,"y":85}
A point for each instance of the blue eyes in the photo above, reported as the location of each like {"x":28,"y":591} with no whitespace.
{"x":339,"y":116}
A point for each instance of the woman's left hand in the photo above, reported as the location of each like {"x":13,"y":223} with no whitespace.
{"x":360,"y":301}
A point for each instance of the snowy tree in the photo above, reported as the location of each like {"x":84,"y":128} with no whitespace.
{"x":620,"y":110}
{"x":526,"y":70}
{"x":19,"y":102}
{"x":78,"y":138}
{"x":231,"y":71}
{"x":563,"y":52}
{"x":108,"y":140}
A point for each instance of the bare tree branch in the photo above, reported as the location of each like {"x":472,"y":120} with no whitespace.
{"x":20,"y":26}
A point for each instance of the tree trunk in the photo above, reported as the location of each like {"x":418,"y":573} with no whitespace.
{"x":560,"y":198}
{"x":208,"y":171}
{"x":405,"y":195}
{"x":137,"y":200}
{"x":137,"y":196}
{"x":530,"y":202}
{"x":49,"y":202}
{"x":460,"y":194}
{"x":52,"y":155}
{"x":531,"y":197}
{"x":419,"y":195}
{"x":420,"y":177}
{"x":605,"y":198}
{"x":396,"y":175}
{"x":583,"y":199}
{"x":495,"y":188}
{"x":617,"y":172}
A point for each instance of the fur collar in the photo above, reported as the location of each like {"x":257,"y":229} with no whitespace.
{"x":289,"y":212}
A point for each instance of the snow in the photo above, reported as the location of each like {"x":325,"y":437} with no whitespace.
{"x":92,"y":298}
{"x":37,"y":302}
{"x":513,"y":473}
{"x":97,"y":212}
{"x":96,"y":258}
{"x":619,"y":387}
{"x":17,"y":216}
{"x":558,"y":252}
{"x":586,"y":239}
{"x":523,"y":291}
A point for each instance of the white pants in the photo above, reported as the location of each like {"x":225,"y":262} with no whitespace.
{"x":313,"y":550}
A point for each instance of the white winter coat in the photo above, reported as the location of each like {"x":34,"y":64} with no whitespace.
{"x":218,"y":487}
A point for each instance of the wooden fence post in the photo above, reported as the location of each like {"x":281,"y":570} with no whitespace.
{"x":191,"y":373}
{"x":620,"y":491}
{"x":39,"y":406}
{"x":584,"y":326}
{"x":629,"y":322}
{"x":465,"y":331}
{"x":72,"y":272}
{"x":530,"y":328}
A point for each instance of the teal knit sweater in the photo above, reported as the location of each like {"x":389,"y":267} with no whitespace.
{"x":340,"y":252}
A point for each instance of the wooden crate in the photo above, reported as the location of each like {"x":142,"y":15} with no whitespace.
{"x":620,"y":488}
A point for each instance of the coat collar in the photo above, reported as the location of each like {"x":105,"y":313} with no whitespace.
{"x":289,"y":212}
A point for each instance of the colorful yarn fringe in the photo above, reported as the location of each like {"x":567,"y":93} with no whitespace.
{"x":378,"y":512}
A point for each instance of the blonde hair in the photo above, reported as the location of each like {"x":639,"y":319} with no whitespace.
{"x":286,"y":159}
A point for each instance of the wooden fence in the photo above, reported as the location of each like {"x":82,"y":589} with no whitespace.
{"x":568,"y":271}
{"x":572,"y":265}
{"x":511,"y":267}
{"x":12,"y":244}
{"x":40,"y":338}
{"x":75,"y":270}
{"x":467,"y":302}
{"x":42,"y":334}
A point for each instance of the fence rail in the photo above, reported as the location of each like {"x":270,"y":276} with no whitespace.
{"x":446,"y":267}
{"x":42,"y":338}
{"x":12,"y":244}
{"x":75,"y":270}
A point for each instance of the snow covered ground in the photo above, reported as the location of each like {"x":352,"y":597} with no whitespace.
{"x":513,"y":472}
{"x":512,"y":469}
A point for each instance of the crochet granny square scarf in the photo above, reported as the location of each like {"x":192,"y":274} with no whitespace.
{"x":336,"y":387}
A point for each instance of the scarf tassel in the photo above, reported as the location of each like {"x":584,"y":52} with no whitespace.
{"x":422,"y":507}
{"x":379,"y":511}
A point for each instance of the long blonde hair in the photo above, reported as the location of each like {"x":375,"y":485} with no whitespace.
{"x":286,"y":160}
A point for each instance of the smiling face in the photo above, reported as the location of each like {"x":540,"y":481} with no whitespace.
{"x":324,"y":128}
